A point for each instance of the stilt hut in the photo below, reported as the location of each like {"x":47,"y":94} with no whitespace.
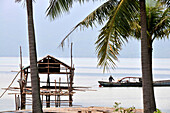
{"x":48,"y":88}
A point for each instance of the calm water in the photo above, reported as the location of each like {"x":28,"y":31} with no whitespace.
{"x":86,"y":74}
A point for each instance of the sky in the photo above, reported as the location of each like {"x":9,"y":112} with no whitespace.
{"x":49,"y":33}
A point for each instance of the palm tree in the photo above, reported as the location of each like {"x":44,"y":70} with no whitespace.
{"x":157,"y":27}
{"x":121,"y":17}
{"x":36,"y":101}
{"x":146,"y":75}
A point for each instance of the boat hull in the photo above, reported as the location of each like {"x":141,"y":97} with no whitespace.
{"x":117,"y":84}
{"x":132,"y":84}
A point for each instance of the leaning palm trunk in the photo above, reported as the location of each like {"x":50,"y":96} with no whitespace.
{"x":147,"y":83}
{"x":36,"y":102}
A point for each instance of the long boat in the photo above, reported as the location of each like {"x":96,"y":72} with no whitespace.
{"x":131,"y":82}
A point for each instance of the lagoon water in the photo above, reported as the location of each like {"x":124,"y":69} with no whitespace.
{"x":87,"y":74}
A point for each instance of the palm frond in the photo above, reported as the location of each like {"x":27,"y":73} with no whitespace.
{"x":115,"y":33}
{"x":58,"y":7}
{"x":165,"y":2}
{"x":160,"y":26}
{"x":135,"y":29}
{"x":18,"y":0}
{"x":99,"y":15}
{"x":62,"y":42}
{"x":108,"y":47}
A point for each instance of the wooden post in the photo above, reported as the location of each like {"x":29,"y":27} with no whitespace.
{"x":58,"y":101}
{"x":42,"y":101}
{"x":59,"y":84}
{"x":21,"y":62}
{"x":48,"y":96}
{"x":48,"y":85}
{"x":58,"y":97}
{"x":17,"y":102}
{"x":71,"y":55}
{"x":55,"y":94}
{"x":23,"y":95}
{"x":71,"y":79}
{"x":71,"y":86}
{"x":22,"y":84}
{"x":16,"y":106}
{"x":67,"y":80}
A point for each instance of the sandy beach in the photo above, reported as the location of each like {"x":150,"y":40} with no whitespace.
{"x":91,"y":109}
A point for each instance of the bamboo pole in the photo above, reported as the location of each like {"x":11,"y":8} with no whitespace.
{"x":58,"y":97}
{"x":21,"y":62}
{"x":67,"y":80}
{"x":55,"y":93}
{"x":59,"y":83}
{"x":21,"y":82}
{"x":42,"y":100}
{"x":16,"y":102}
{"x":48,"y":84}
{"x":10,"y":84}
{"x":71,"y":55}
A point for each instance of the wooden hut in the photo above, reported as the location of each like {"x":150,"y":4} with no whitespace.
{"x":49,"y":65}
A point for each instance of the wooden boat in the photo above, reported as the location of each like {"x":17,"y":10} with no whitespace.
{"x":131,"y":82}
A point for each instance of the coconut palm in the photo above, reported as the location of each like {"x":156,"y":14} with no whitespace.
{"x":157,"y":27}
{"x":36,"y":101}
{"x":122,"y":21}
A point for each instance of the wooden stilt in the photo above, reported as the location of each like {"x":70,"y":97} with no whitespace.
{"x":16,"y":107}
{"x":42,"y":100}
{"x":22,"y":84}
{"x":58,"y":100}
{"x":70,"y":90}
{"x":59,"y":84}
{"x":71,"y":79}
{"x":48,"y":96}
{"x":67,"y":80}
{"x":48,"y":84}
{"x":55,"y":94}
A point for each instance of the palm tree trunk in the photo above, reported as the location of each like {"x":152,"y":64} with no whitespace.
{"x":153,"y":104}
{"x":147,"y":83}
{"x":36,"y":101}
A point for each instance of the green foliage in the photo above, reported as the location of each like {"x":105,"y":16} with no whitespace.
{"x":121,"y":20}
{"x":58,"y":7}
{"x":124,"y":110}
{"x":157,"y":111}
{"x":115,"y":33}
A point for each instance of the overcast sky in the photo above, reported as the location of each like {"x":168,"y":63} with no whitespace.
{"x":13,"y":32}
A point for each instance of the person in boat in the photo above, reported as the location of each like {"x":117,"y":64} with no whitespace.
{"x":111,"y":78}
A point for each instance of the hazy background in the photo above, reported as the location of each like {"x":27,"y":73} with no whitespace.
{"x":13,"y":32}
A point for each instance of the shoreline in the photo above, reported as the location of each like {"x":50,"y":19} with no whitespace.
{"x":92,"y":109}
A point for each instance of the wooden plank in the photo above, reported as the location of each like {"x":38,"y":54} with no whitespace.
{"x":10,"y":88}
{"x":55,"y":72}
{"x":44,"y":93}
{"x":62,"y":68}
{"x":48,"y":63}
{"x":55,"y":93}
{"x":54,"y":102}
{"x":51,"y":82}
